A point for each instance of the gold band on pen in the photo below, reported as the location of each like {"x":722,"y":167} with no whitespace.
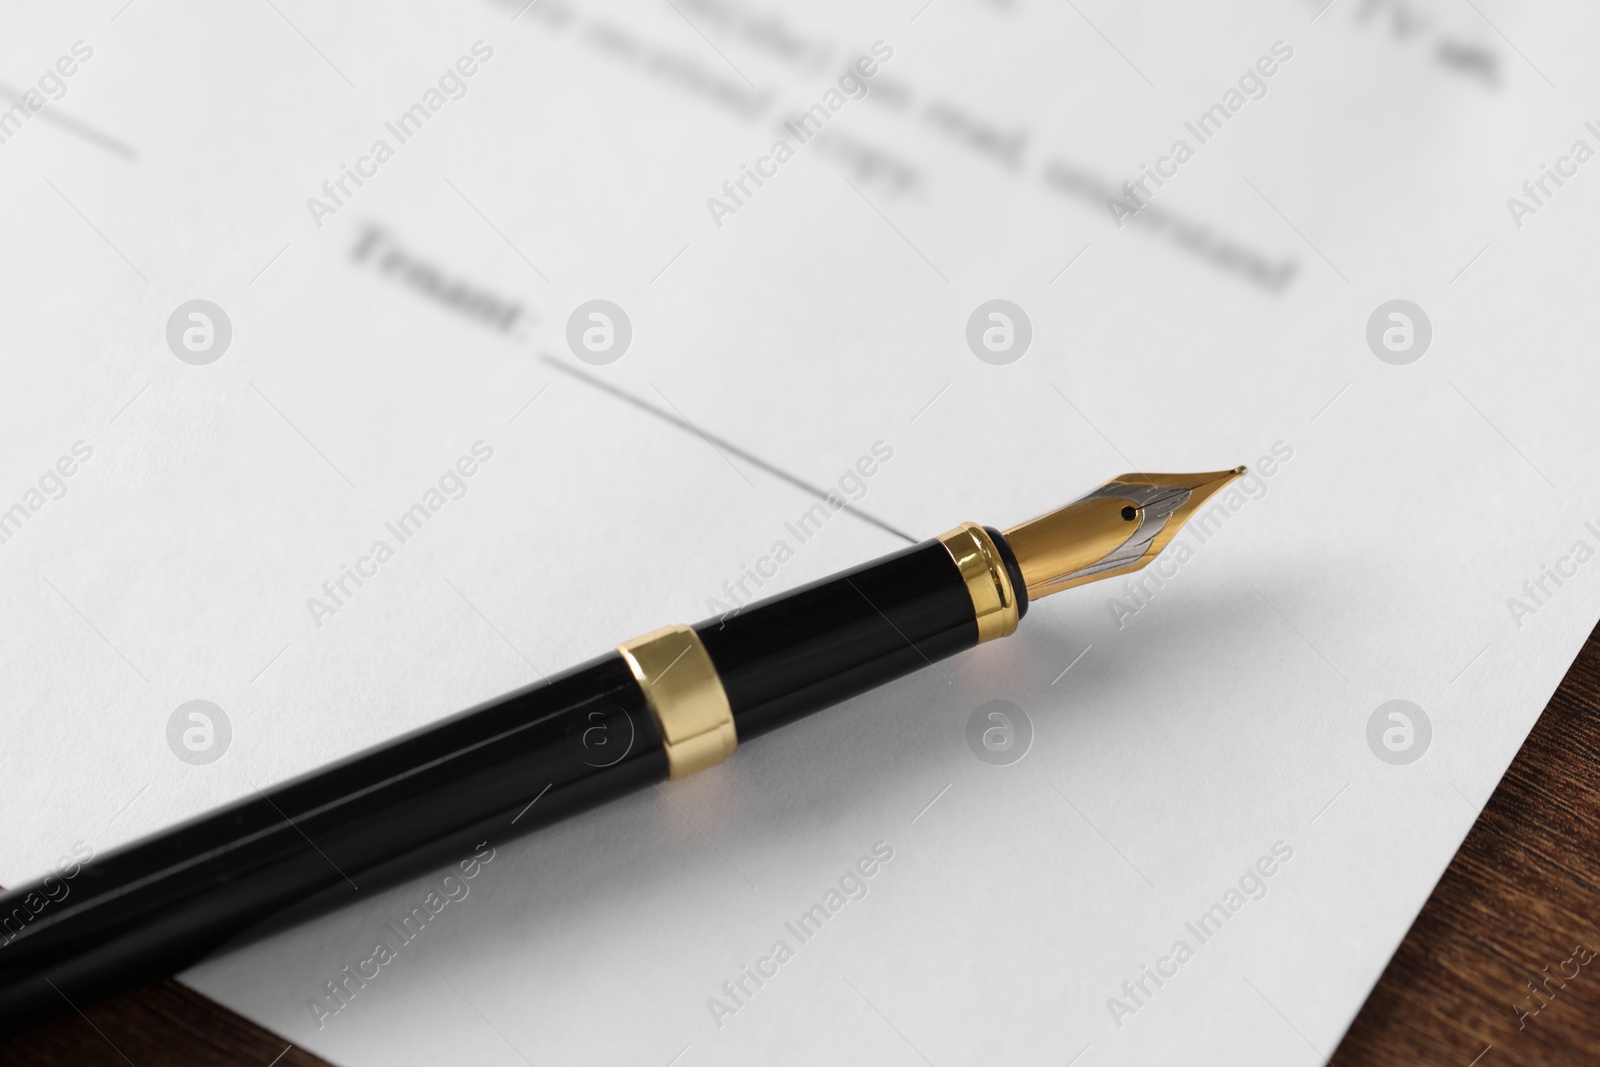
{"x":686,"y":697}
{"x":994,"y":602}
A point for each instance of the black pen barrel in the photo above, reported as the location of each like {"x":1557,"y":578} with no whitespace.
{"x":783,"y":658}
{"x":329,"y":838}
{"x":664,"y":705}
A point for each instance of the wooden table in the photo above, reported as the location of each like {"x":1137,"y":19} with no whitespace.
{"x":1523,"y":891}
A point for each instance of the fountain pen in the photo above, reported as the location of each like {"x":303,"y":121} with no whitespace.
{"x":662,"y":706}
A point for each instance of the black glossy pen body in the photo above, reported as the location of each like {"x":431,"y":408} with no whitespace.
{"x":425,"y":800}
{"x":785,"y":657}
{"x":436,"y":796}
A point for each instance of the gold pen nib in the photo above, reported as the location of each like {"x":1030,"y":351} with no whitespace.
{"x":1118,"y":528}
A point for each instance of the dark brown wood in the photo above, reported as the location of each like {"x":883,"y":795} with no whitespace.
{"x":1518,"y":897}
{"x":1521,"y":894}
{"x":163,"y":1024}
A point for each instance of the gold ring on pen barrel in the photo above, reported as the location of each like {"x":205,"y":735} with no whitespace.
{"x":685,"y":695}
{"x":994,"y":602}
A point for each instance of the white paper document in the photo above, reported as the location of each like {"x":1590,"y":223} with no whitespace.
{"x":365,"y":361}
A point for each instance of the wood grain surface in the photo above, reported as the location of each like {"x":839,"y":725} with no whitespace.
{"x":1483,"y":976}
{"x":1495,"y":971}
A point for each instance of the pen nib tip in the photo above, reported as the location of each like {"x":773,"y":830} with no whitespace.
{"x":1118,"y":528}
